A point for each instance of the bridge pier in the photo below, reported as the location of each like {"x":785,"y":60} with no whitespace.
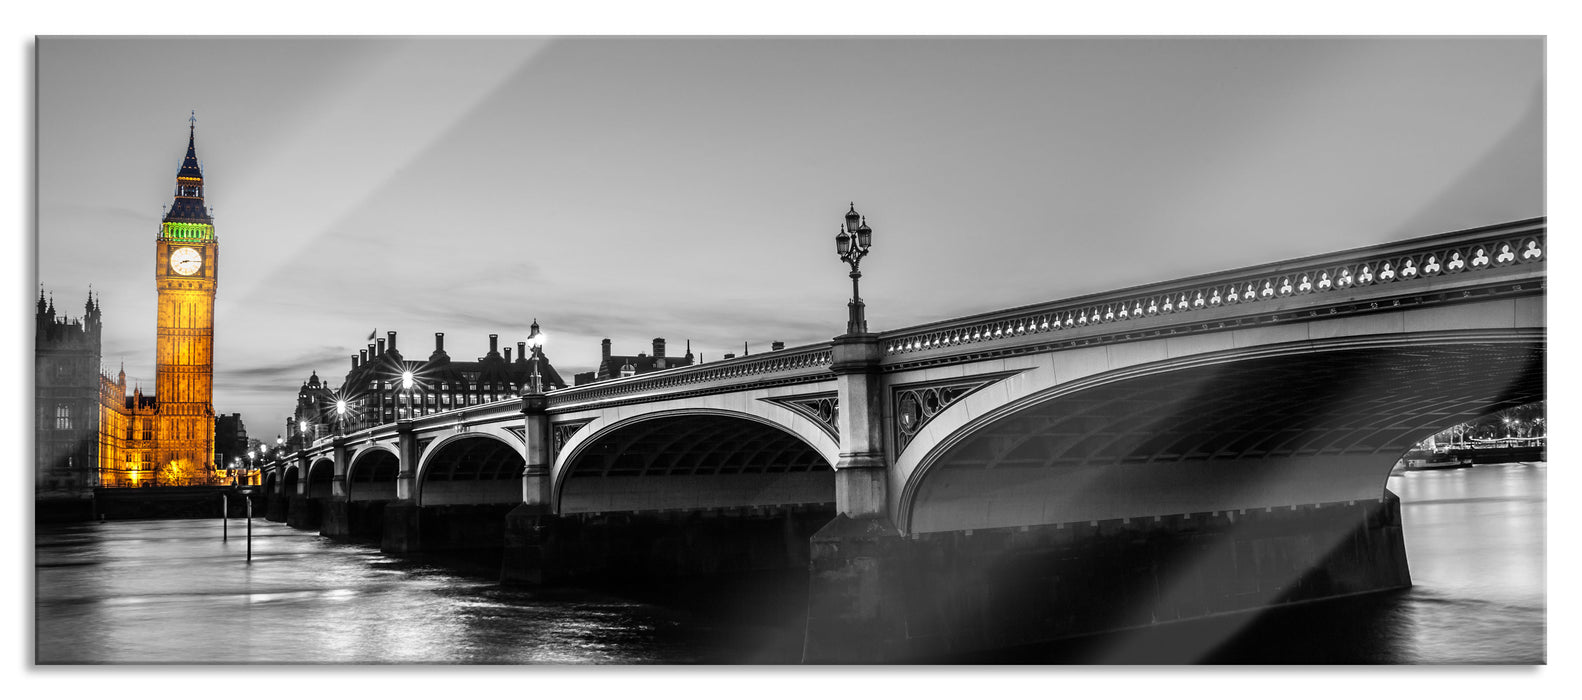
{"x":303,"y":513}
{"x":855,"y":612}
{"x":529,"y":537}
{"x":545,"y":549}
{"x":878,"y":597}
{"x":275,"y":505}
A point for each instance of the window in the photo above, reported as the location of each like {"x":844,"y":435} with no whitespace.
{"x":63,"y":417}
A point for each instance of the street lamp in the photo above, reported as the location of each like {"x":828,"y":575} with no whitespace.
{"x":406,"y":386}
{"x":535,"y":340}
{"x":340,"y":416}
{"x":852,"y":243}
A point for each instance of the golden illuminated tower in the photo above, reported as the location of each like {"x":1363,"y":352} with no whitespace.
{"x":186,"y":267}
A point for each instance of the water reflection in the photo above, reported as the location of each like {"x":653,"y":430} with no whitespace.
{"x":172,"y":592}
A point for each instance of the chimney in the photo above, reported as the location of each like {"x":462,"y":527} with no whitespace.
{"x":381,"y":343}
{"x":371,"y":354}
{"x":392,"y":340}
{"x":521,"y":351}
{"x":508,"y":356}
{"x":606,"y":346}
{"x":364,"y":354}
{"x":439,"y":343}
{"x":730,"y":356}
{"x":494,"y":344}
{"x":777,"y":345}
{"x":354,"y":362}
{"x":659,"y":347}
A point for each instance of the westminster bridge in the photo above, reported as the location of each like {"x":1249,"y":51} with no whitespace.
{"x":1159,"y":453}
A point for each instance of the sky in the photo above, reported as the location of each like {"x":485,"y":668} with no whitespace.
{"x":690,"y":188}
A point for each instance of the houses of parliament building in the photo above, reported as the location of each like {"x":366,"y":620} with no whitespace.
{"x":88,"y":430}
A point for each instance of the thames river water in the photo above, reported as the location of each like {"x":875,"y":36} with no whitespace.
{"x":171,"y":592}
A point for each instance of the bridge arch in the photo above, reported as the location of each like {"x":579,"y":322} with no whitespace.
{"x":288,"y":481}
{"x":690,"y":459}
{"x":471,"y":468}
{"x":371,"y":474}
{"x":1296,"y":423}
{"x":321,"y":478}
{"x":272,"y":482}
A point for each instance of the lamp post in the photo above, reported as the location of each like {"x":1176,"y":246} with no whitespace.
{"x":852,"y":243}
{"x":406,"y":386}
{"x":535,"y":340}
{"x":340,"y":416}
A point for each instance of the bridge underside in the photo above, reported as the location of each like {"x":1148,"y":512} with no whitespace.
{"x":372,"y":477}
{"x":695,"y":462}
{"x":473,"y":471}
{"x":321,"y":479}
{"x":1294,"y":429}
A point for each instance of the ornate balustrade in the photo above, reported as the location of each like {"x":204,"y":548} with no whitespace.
{"x":1460,"y":253}
{"x":806,"y":360}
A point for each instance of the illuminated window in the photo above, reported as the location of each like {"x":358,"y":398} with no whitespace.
{"x":63,"y":417}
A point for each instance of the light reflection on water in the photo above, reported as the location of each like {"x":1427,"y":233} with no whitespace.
{"x":172,"y":592}
{"x":1475,"y":539}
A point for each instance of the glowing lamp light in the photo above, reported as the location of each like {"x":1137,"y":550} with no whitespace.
{"x":340,"y":406}
{"x":406,"y":379}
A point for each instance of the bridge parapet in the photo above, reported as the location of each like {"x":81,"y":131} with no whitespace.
{"x":1473,"y":253}
{"x":784,"y":366}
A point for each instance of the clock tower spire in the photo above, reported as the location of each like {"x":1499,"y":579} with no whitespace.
{"x":186,"y":267}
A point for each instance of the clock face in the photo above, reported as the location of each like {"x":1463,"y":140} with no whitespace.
{"x":185,"y":261}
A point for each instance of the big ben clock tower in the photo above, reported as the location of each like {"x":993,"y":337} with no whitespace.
{"x":186,"y":272}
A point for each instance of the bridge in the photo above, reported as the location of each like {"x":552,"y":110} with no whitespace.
{"x":1164,"y":452}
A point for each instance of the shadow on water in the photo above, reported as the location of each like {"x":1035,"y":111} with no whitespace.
{"x":1309,"y":633}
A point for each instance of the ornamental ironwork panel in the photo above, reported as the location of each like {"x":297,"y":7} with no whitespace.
{"x":821,"y":408}
{"x":520,"y":431}
{"x":562,"y":432}
{"x":917,"y":404}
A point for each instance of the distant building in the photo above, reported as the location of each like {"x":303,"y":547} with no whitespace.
{"x":230,"y":439}
{"x":616,"y":366}
{"x":374,"y":394}
{"x":67,"y":382}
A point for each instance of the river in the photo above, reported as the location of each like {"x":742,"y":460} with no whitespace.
{"x":171,"y":592}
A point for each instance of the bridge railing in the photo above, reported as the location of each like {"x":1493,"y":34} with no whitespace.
{"x":1468,"y":252}
{"x":805,"y":360}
